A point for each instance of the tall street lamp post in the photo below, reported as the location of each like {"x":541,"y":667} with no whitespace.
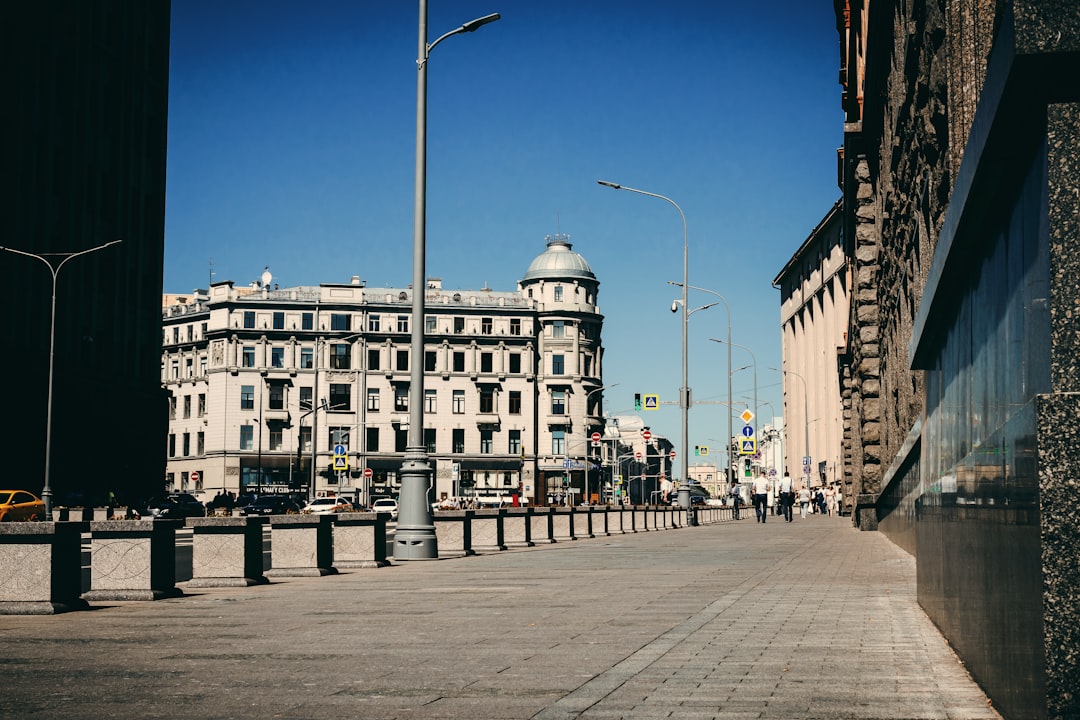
{"x":684,"y":391}
{"x":754,"y":361}
{"x":46,"y":489}
{"x":415,"y":538}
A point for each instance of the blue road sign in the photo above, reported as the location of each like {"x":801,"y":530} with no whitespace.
{"x":748,"y":431}
{"x":339,"y":449}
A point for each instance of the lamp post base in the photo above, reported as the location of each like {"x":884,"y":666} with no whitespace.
{"x":414,"y":538}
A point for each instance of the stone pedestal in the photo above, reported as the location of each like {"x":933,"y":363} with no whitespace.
{"x":562,"y":524}
{"x":641,"y":518}
{"x":454,"y":530}
{"x":40,"y":568}
{"x":487,"y":530}
{"x":226,"y":551}
{"x":540,"y":530}
{"x":360,"y":540}
{"x":516,"y":527}
{"x":133,"y":560}
{"x":301,"y":546}
{"x":581,"y":521}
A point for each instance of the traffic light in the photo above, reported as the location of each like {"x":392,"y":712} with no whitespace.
{"x":637,"y":401}
{"x":697,"y":451}
{"x":746,"y":467}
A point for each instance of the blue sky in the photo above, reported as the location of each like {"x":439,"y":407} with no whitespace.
{"x":292,"y":137}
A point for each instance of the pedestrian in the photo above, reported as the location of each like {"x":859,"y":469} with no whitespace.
{"x":839,"y":501}
{"x":666,"y":486}
{"x":830,"y":500}
{"x":787,"y":495}
{"x":804,"y":500}
{"x":819,"y":502}
{"x":736,"y":496}
{"x":761,"y":498}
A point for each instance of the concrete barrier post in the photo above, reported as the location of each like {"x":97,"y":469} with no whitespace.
{"x":641,"y":518}
{"x":133,"y":560}
{"x":516,"y":527}
{"x":581,"y":522}
{"x":226,"y":551}
{"x":487,"y":530}
{"x":540,"y":529}
{"x":41,"y":567}
{"x":360,"y":540}
{"x":454,"y":530}
{"x":301,"y":546}
{"x":562,"y":524}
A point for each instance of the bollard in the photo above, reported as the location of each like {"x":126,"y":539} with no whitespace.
{"x":301,"y":546}
{"x":454,"y":530}
{"x":540,"y":529}
{"x":41,"y":567}
{"x":226,"y":551}
{"x":516,"y":527}
{"x":133,"y":560}
{"x":360,"y":540}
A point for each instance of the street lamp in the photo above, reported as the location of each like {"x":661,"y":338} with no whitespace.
{"x":753,"y":360}
{"x":415,"y":538}
{"x":46,"y":490}
{"x":684,"y":391}
{"x":806,"y":412}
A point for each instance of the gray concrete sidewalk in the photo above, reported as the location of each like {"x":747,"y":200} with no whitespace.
{"x":738,"y":620}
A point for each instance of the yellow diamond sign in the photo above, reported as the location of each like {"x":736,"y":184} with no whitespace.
{"x":747,"y":416}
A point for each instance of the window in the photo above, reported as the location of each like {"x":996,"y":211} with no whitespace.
{"x":429,"y":400}
{"x":249,"y":319}
{"x":373,"y":399}
{"x":276,"y":439}
{"x":558,"y":293}
{"x":430,"y":358}
{"x":200,"y":443}
{"x":459,"y":440}
{"x":172,"y":408}
{"x":187,"y":406}
{"x":557,"y":365}
{"x":515,"y":363}
{"x":307,"y":321}
{"x":558,"y":329}
{"x":459,"y":325}
{"x":429,"y":439}
{"x":515,"y":442}
{"x":305,"y":397}
{"x":279,"y":321}
{"x":458,"y":403}
{"x":340,"y":321}
{"x":431,"y":324}
{"x":402,"y":360}
{"x":373,"y":323}
{"x":307,"y":358}
{"x":459,"y":361}
{"x":373,"y":439}
{"x":189,"y":331}
{"x":202,"y":404}
{"x":485,"y":442}
{"x":403,"y":323}
{"x":277,"y":396}
{"x":558,"y":402}
{"x":486,"y":326}
{"x":401,"y":398}
{"x":486,"y":362}
{"x":247,"y":397}
{"x":189,"y":367}
{"x":373,"y":359}
{"x":202,"y":366}
{"x":339,"y":356}
{"x":247,"y":437}
{"x":339,"y":436}
{"x":515,"y":402}
{"x":515,"y":326}
{"x":277,"y":357}
{"x":248,"y":356}
{"x":340,"y":394}
{"x":401,"y":440}
{"x":558,"y":442}
{"x":175,"y":375}
{"x":487,"y":400}
{"x":305,"y":439}
{"x":204,"y":327}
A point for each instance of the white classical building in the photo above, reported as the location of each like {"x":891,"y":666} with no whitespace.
{"x":306,"y":389}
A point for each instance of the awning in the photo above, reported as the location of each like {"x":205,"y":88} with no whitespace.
{"x":492,"y":464}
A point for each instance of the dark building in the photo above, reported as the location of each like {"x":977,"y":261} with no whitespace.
{"x":961,"y":173}
{"x":84,"y":142}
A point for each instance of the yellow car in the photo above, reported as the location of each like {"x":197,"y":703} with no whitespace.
{"x":16,"y":505}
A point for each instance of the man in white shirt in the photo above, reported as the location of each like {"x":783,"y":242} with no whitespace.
{"x":787,"y":495}
{"x":761,"y":498}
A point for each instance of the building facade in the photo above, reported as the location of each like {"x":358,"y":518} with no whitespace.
{"x":306,"y":389}
{"x":84,"y":150}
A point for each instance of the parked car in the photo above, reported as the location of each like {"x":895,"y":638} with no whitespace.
{"x":20,"y":505}
{"x":386,"y":505}
{"x":271,"y":505}
{"x":324,"y":505}
{"x":175,"y":507}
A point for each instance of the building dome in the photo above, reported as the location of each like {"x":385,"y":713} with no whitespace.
{"x":559,"y":262}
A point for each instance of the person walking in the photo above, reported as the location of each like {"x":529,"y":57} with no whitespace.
{"x":787,"y":495}
{"x":804,"y":500}
{"x":736,"y":496}
{"x":761,"y":498}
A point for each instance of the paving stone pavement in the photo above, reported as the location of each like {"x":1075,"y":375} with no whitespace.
{"x":809,"y":620}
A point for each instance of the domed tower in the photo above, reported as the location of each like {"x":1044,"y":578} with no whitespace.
{"x":569,"y":370}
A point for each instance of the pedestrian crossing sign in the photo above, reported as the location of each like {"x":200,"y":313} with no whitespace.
{"x":748,"y":446}
{"x":652,"y":402}
{"x":341,"y":462}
